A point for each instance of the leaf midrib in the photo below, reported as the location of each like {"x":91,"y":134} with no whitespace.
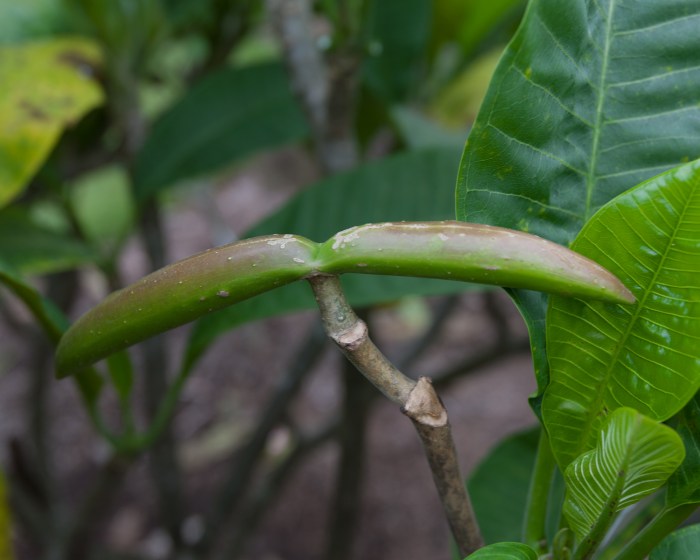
{"x":591,"y":178}
{"x":599,"y":399}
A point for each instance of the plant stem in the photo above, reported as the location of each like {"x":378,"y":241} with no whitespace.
{"x":534,"y":527}
{"x":661,"y":526}
{"x":417,"y":400}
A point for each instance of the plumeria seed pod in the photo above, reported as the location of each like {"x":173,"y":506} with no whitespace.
{"x":471,"y":253}
{"x":182,"y":292}
{"x":217,"y":278}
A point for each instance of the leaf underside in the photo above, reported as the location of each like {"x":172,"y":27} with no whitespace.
{"x":681,"y":545}
{"x":645,"y":356}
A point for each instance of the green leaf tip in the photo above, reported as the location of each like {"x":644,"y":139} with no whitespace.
{"x":217,"y":278}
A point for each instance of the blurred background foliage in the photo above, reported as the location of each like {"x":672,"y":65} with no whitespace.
{"x":116,"y":113}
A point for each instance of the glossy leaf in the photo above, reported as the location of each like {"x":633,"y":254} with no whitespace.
{"x":589,"y":99}
{"x":498,"y":487}
{"x":227,"y":116}
{"x":644,"y":356}
{"x":504,"y":551}
{"x":684,"y":544}
{"x":633,"y":457}
{"x":684,"y":485}
{"x":31,"y":250}
{"x":220,"y":277}
{"x":47,"y":86}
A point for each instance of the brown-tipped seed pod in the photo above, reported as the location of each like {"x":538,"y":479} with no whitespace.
{"x":188,"y":289}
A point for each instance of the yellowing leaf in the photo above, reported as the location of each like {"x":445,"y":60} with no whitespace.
{"x":46,"y":87}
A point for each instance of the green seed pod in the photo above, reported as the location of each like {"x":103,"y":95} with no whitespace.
{"x":470,"y":253}
{"x":181,"y":292}
{"x":217,"y":278}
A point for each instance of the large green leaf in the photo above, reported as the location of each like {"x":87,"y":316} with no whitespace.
{"x":46,"y":87}
{"x":633,"y":457}
{"x":412,"y":186}
{"x":684,"y":544}
{"x":31,"y":249}
{"x":645,"y":356}
{"x":589,"y":99}
{"x":504,"y":551}
{"x":227,"y":116}
{"x":499,"y":486}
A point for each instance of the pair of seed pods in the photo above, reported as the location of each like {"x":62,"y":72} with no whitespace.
{"x":217,"y":278}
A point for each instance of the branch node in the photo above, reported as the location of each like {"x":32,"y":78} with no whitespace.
{"x":424,"y":406}
{"x":351,"y":338}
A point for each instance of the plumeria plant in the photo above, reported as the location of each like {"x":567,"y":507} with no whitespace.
{"x":578,"y":192}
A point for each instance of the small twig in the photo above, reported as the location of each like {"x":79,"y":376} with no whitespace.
{"x":417,"y":400}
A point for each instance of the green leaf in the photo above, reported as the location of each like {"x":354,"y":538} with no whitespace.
{"x":504,"y":551}
{"x":469,"y":22}
{"x":683,"y":544}
{"x":421,"y":132}
{"x":229,"y":115}
{"x":499,"y":486}
{"x":644,"y":356}
{"x":31,"y":250}
{"x":633,"y":457}
{"x":53,"y":322}
{"x":5,"y":528}
{"x":31,"y":19}
{"x":589,"y":99}
{"x":47,"y":86}
{"x":684,"y":484}
{"x":51,"y":319}
{"x":121,"y":373}
{"x":103,"y":206}
{"x":397,"y":36}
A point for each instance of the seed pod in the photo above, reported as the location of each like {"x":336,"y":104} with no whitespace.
{"x":217,"y":278}
{"x":181,"y":292}
{"x":470,"y":253}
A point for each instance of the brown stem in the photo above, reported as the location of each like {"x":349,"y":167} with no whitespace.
{"x":417,"y":400}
